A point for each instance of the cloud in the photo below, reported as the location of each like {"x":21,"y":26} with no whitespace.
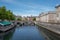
{"x":27,"y":13}
{"x":27,"y":8}
{"x":7,"y":1}
{"x":28,"y":5}
{"x":33,"y":9}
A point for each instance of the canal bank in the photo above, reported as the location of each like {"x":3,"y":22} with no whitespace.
{"x":7,"y":35}
{"x":50,"y":31}
{"x":6,"y":26}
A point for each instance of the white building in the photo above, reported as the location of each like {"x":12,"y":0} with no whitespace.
{"x":51,"y":16}
{"x":58,"y":13}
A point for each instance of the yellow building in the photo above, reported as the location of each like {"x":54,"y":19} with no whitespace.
{"x":37,"y":18}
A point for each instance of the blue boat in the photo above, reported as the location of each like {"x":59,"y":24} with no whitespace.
{"x":5,"y":23}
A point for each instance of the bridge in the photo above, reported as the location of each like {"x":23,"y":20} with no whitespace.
{"x":23,"y":23}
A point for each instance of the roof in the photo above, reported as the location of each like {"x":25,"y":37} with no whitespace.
{"x":57,"y":6}
{"x":46,"y":13}
{"x":5,"y":22}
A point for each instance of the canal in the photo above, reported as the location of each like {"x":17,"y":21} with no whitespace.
{"x":23,"y":33}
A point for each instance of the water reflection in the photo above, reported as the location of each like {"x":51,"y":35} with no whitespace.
{"x":27,"y":33}
{"x":7,"y":35}
{"x":49,"y":35}
{"x":43,"y":33}
{"x":22,"y":33}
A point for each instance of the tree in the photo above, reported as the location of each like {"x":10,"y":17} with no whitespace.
{"x":2,"y":13}
{"x":19,"y":19}
{"x":34,"y":19}
{"x":6,"y":14}
{"x":10,"y":15}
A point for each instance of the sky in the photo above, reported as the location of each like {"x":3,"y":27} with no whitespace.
{"x":29,"y":7}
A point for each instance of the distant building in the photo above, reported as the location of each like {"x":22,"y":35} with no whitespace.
{"x":37,"y":18}
{"x":30,"y":18}
{"x":24,"y":18}
{"x":48,"y":17}
{"x":51,"y":16}
{"x":17,"y":17}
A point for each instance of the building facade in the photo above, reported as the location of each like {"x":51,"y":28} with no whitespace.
{"x":37,"y":18}
{"x":31,"y":18}
{"x":51,"y":16}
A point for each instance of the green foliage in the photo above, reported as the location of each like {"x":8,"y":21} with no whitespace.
{"x":2,"y":12}
{"x":34,"y":19}
{"x":6,"y":14}
{"x":19,"y":19}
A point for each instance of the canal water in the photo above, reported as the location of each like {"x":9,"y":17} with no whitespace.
{"x":23,"y":33}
